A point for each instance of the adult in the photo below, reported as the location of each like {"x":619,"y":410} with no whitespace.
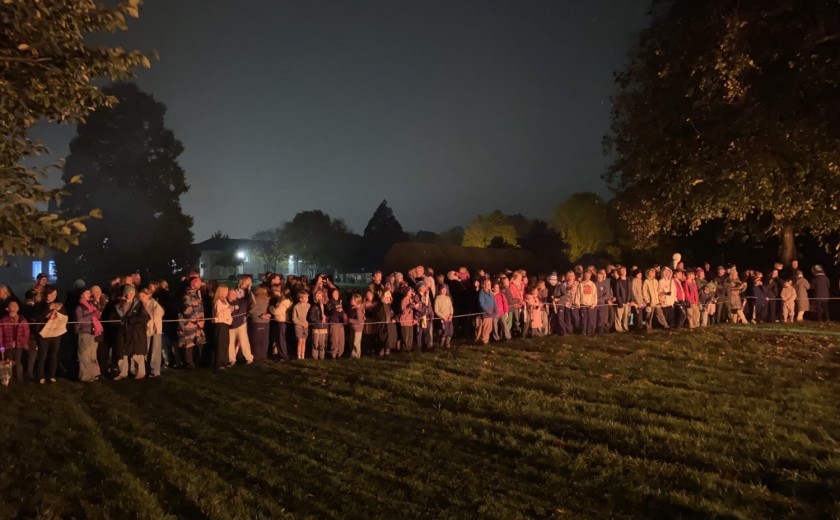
{"x":222,"y":318}
{"x":88,"y":330}
{"x":49,"y":323}
{"x":819,"y":293}
{"x":191,"y":322}
{"x":240,"y":301}
{"x":803,"y":304}
{"x":258,"y":324}
{"x":621,"y":293}
{"x":652,"y":303}
{"x":154,"y":330}
{"x":131,"y":346}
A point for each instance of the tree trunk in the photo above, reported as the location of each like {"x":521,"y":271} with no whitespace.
{"x":787,"y":250}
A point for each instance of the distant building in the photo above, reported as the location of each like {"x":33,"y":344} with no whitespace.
{"x":20,"y":271}
{"x":217,"y":256}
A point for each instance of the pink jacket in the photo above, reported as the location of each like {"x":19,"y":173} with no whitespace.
{"x":502,"y":306}
{"x":14,"y":335}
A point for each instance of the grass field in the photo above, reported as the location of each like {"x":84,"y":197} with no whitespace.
{"x":716,"y":423}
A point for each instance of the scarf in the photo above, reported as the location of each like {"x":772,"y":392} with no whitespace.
{"x":97,"y":325}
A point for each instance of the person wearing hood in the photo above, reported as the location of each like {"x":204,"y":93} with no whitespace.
{"x":819,"y":293}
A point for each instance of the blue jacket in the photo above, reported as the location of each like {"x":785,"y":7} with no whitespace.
{"x":488,"y":303}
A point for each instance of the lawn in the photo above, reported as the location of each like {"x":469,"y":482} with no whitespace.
{"x":715,"y":423}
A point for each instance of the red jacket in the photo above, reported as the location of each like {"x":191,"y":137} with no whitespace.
{"x":14,"y":334}
{"x":502,"y":306}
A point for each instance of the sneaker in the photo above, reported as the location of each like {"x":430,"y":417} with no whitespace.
{"x":248,"y":362}
{"x":119,"y":378}
{"x":52,"y":380}
{"x":42,"y":381}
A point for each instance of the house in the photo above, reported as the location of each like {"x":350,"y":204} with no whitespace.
{"x":223,"y":258}
{"x":20,"y":271}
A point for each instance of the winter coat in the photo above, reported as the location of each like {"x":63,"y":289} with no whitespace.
{"x":668,"y":292}
{"x":650,"y":292}
{"x":502,"y":306}
{"x":155,"y":311}
{"x":621,"y":291}
{"x":819,"y":286}
{"x":488,"y":304}
{"x":14,"y":335}
{"x":802,"y":303}
{"x":317,"y":316}
{"x":131,"y":335}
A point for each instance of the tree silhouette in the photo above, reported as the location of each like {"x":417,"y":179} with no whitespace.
{"x":383,"y":230}
{"x":322,"y":242}
{"x":130,"y":163}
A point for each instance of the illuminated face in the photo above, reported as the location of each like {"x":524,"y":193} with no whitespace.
{"x":51,"y":296}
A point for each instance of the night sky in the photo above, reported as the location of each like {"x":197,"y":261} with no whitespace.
{"x":447,"y":109}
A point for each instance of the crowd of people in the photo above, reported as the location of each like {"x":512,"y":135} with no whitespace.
{"x":132,"y":329}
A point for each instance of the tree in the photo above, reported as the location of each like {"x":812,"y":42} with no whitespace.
{"x":453,"y":236}
{"x":484,"y":229}
{"x":49,"y":71}
{"x":383,"y":230}
{"x":583,"y":222}
{"x":271,"y":249}
{"x":730,"y":110}
{"x":324,"y":243}
{"x":545,"y":242}
{"x":130,"y":160}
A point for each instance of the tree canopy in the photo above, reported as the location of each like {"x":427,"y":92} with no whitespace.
{"x":493,"y":229}
{"x":730,"y":110}
{"x":584,"y":224}
{"x":323,"y":242}
{"x":130,"y":162}
{"x":49,"y":71}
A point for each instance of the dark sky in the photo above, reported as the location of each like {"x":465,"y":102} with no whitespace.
{"x":447,"y":109}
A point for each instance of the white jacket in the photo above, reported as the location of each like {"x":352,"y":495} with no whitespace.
{"x":154,"y":325}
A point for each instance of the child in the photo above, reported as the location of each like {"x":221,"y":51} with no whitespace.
{"x":357,"y":323}
{"x":788,"y":302}
{"x":299,"y":314}
{"x":532,"y":302}
{"x":444,"y":311}
{"x":317,"y":317}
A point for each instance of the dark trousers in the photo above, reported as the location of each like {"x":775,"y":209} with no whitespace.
{"x":408,"y":337}
{"x":772,"y":305}
{"x":679,"y":316}
{"x":103,"y":356}
{"x":589,"y":320}
{"x":564,"y":321}
{"x":187,"y":357}
{"x":819,"y":308}
{"x":761,"y":311}
{"x":576,"y":319}
{"x":222,"y":338}
{"x":669,"y":314}
{"x":282,"y":340}
{"x":31,"y":358}
{"x":258,"y":335}
{"x":423,"y":338}
{"x":48,"y":356}
{"x":603,"y":318}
